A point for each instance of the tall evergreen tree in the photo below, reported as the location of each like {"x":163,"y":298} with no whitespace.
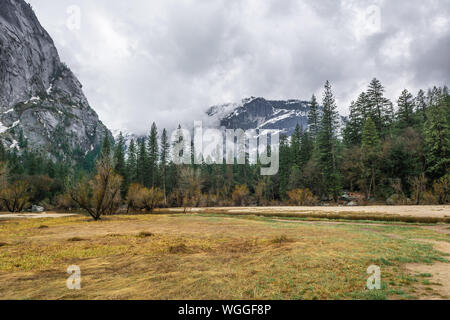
{"x":164,"y":158}
{"x":437,"y":138}
{"x":306,"y":148}
{"x":380,"y":108}
{"x":353,"y":129}
{"x":132,"y":171}
{"x":106,"y":147}
{"x":314,"y":117}
{"x":142,"y":163}
{"x":284,"y":165}
{"x":119,"y":156}
{"x":119,"y":163}
{"x":153,"y":155}
{"x":405,"y":112}
{"x":370,"y":153}
{"x":2,"y":152}
{"x":421,"y":105}
{"x":295,"y":145}
{"x":327,"y":144}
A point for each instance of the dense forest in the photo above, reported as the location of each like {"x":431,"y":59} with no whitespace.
{"x":384,"y":153}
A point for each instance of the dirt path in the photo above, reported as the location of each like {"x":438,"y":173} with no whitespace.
{"x":437,"y":286}
{"x":34,"y":215}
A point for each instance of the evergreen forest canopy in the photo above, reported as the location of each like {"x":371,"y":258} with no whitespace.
{"x":384,"y":153}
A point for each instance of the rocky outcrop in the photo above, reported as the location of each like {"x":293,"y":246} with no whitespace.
{"x":42,"y":105}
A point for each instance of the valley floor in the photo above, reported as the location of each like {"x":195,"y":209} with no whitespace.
{"x":215,"y":256}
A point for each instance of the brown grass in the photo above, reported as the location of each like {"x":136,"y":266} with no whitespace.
{"x":195,"y":257}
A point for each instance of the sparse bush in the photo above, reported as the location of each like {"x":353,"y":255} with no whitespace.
{"x":418,"y":189}
{"x":429,"y":198}
{"x":441,"y":189}
{"x":240,"y":195}
{"x":15,"y":196}
{"x":302,"y":197}
{"x":139,"y":197}
{"x":134,"y":198}
{"x":151,"y":198}
{"x":190,"y":187}
{"x":65,"y":202}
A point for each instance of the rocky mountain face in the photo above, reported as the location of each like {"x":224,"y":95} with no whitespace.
{"x":42,"y":105}
{"x":259,"y":113}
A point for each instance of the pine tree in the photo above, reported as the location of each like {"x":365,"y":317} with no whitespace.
{"x":380,"y":108}
{"x":2,"y":152}
{"x":132,"y":163}
{"x":363,"y":106}
{"x":284,"y":165}
{"x":306,"y":148}
{"x":119,"y":163}
{"x":295,"y":145}
{"x":327,"y":144}
{"x":370,"y":153}
{"x":353,"y":129}
{"x":314,"y":117}
{"x":295,"y":178}
{"x":437,"y":138}
{"x":142,"y":163}
{"x":421,"y":105}
{"x":119,"y":156}
{"x":153,"y":155}
{"x":106,"y":147}
{"x":405,"y":110}
{"x":164,"y":158}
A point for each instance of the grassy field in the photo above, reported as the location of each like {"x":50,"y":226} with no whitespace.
{"x":213,"y":256}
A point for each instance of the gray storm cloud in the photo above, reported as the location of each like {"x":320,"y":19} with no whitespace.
{"x":167,"y":61}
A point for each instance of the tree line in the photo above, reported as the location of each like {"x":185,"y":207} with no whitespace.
{"x":382,"y":153}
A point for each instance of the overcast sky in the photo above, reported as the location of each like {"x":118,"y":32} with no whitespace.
{"x":167,"y":60}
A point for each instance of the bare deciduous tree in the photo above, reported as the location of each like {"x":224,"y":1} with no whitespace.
{"x":15,"y":196}
{"x":101,"y":195}
{"x":190,"y":186}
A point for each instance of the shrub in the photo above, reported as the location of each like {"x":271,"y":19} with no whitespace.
{"x":441,"y":189}
{"x":428,"y":198}
{"x":151,"y":198}
{"x":240,"y":195}
{"x":15,"y":196}
{"x":301,"y":197}
{"x":139,"y":197}
{"x":65,"y":202}
{"x":134,"y":197}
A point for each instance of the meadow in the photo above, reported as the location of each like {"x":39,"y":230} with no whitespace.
{"x":218,"y":256}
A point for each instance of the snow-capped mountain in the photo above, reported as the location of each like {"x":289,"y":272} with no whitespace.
{"x":259,"y":113}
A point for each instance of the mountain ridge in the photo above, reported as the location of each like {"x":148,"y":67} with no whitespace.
{"x":41,"y":100}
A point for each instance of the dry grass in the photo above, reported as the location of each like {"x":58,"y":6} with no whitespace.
{"x":408,"y":214}
{"x":198,"y":257}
